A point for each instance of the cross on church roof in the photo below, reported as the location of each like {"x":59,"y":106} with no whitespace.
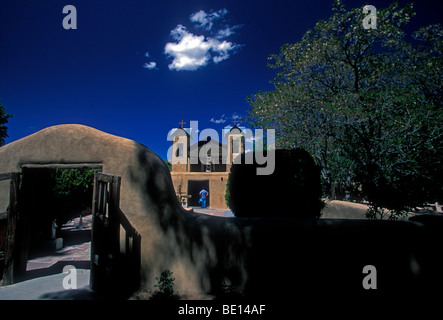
{"x":181,"y":123}
{"x":235,"y":122}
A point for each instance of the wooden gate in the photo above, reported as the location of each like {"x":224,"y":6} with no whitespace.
{"x":115,"y":261}
{"x":11,"y":254}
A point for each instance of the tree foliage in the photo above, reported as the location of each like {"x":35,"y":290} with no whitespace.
{"x":3,"y":121}
{"x":72,"y":189}
{"x":365,"y":103}
{"x":73,"y":181}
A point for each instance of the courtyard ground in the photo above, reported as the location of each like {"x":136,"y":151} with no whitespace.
{"x":44,"y":271}
{"x":214,"y":212}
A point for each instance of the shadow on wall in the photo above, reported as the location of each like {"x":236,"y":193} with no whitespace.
{"x":276,"y":258}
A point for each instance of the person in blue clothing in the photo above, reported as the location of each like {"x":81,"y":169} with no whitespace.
{"x":203,"y":195}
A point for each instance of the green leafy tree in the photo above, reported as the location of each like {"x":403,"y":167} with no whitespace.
{"x":72,"y":190}
{"x":3,"y":121}
{"x":365,"y":103}
{"x":73,"y":181}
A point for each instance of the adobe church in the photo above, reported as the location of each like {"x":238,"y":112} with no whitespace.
{"x":203,"y":165}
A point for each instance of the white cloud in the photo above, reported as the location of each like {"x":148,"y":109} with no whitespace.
{"x":179,"y":32}
{"x":151,"y":65}
{"x":218,"y":121}
{"x":206,"y":20}
{"x":191,"y":52}
{"x":201,"y":18}
{"x":224,"y":118}
{"x":224,"y":33}
{"x":223,"y":49}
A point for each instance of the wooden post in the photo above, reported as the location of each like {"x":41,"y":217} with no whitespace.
{"x":114,"y":227}
{"x":136,"y":259}
{"x":115,"y":197}
{"x":105,"y":238}
{"x":109,"y":268}
{"x":11,"y":253}
{"x":93,"y":283}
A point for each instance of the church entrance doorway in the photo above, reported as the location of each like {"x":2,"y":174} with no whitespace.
{"x":194,"y":188}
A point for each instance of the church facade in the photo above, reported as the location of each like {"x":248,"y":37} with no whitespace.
{"x":203,"y":165}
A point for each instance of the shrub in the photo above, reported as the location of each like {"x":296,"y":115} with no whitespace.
{"x":165,"y":285}
{"x":293,"y":190}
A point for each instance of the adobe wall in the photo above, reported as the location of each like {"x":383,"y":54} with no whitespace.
{"x":337,"y":209}
{"x":263,"y":257}
{"x":147,"y":197}
{"x":146,"y":187}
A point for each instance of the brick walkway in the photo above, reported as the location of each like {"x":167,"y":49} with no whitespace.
{"x":76,"y":246}
{"x":44,"y":271}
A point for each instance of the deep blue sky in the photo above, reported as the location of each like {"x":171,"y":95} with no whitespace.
{"x":95,"y":75}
